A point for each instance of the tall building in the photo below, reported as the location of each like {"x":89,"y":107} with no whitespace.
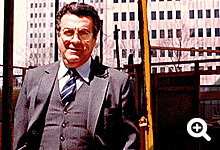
{"x":184,"y":24}
{"x":124,"y":14}
{"x":40,"y":37}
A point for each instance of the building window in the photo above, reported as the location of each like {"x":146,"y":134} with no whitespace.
{"x":123,"y":16}
{"x":191,"y":14}
{"x":39,"y":35}
{"x":35,"y":25}
{"x":200,"y":14}
{"x":208,"y":13}
{"x":153,"y":15}
{"x":32,"y":5}
{"x":217,"y":32}
{"x":191,"y":32}
{"x":124,"y":53}
{"x":154,"y":34}
{"x":216,"y":11}
{"x":162,"y":34}
{"x":115,"y":16}
{"x":154,"y":70}
{"x":161,"y":15}
{"x":200,"y":32}
{"x":39,"y":45}
{"x":170,"y":53}
{"x":44,"y":25}
{"x":169,"y":15}
{"x":31,"y":25}
{"x":178,"y":14}
{"x":178,"y":33}
{"x":170,"y":33}
{"x":40,"y":5}
{"x":217,"y":48}
{"x":31,"y":15}
{"x":154,"y":53}
{"x":51,"y":14}
{"x":139,"y":53}
{"x":51,"y":4}
{"x":123,"y":1}
{"x":35,"y":45}
{"x":192,"y":53}
{"x":44,"y":35}
{"x":209,"y":54}
{"x":162,"y":53}
{"x":39,"y":15}
{"x":35,"y":5}
{"x":208,"y":32}
{"x":132,"y":16}
{"x":124,"y":35}
{"x":132,"y":34}
{"x":115,"y":1}
{"x":132,"y":51}
{"x":162,"y":69}
{"x":101,"y":11}
{"x":35,"y":15}
{"x":209,"y":68}
{"x":44,"y":4}
{"x":201,"y":53}
{"x":31,"y":35}
{"x":44,"y":45}
{"x":131,"y":0}
{"x":35,"y":35}
{"x":97,"y":1}
{"x":44,"y":15}
{"x":31,"y":45}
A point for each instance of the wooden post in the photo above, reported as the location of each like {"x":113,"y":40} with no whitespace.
{"x":7,"y":75}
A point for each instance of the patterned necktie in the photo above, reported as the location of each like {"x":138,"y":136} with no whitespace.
{"x":69,"y":90}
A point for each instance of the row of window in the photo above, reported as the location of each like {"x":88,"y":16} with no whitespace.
{"x":36,"y":25}
{"x":32,"y":15}
{"x":171,"y":69}
{"x":123,"y":1}
{"x":124,"y":53}
{"x":40,"y":45}
{"x":170,"y":14}
{"x":34,"y":35}
{"x":170,"y":53}
{"x":161,"y":15}
{"x":131,"y":36}
{"x":91,"y":1}
{"x":43,"y":5}
{"x":163,"y":0}
{"x":207,"y":14}
{"x":124,"y":16}
{"x":179,"y":33}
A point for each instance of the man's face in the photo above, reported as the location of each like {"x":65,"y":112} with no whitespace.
{"x":75,"y":40}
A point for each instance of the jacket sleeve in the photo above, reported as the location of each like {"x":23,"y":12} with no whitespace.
{"x":129,"y":116}
{"x":21,"y":117}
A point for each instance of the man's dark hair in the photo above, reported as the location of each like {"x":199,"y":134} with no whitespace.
{"x":79,"y":9}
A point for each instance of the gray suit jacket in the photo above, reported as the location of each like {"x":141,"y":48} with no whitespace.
{"x":112,"y":120}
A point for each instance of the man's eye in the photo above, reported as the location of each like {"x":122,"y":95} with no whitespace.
{"x":68,"y":32}
{"x":81,"y":32}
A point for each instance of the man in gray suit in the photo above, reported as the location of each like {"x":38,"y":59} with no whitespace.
{"x":76,"y":103}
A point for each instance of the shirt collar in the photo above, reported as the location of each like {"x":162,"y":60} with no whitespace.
{"x":83,"y":70}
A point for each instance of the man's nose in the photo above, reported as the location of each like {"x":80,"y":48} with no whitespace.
{"x":75,"y":38}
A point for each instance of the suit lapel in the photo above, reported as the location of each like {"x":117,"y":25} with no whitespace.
{"x":97,"y":94}
{"x":99,"y":82}
{"x":46,"y":83}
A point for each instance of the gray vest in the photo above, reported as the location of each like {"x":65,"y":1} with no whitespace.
{"x":66,"y":126}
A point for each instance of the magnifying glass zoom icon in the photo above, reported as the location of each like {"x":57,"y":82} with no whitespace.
{"x":197,"y":127}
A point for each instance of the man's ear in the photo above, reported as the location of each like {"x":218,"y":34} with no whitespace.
{"x":58,"y":33}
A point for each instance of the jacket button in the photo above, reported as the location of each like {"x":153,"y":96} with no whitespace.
{"x":62,"y":138}
{"x":65,"y":112}
{"x":64,"y":125}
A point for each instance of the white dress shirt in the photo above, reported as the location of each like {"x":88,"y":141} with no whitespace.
{"x":83,"y":71}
